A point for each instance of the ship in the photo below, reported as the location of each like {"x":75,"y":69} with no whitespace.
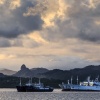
{"x":88,"y":85}
{"x":33,"y":87}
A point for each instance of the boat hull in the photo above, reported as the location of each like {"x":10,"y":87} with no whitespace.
{"x":21,"y":88}
{"x":71,"y":87}
{"x":76,"y":90}
{"x":32,"y":89}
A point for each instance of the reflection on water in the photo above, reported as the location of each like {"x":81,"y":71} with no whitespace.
{"x":12,"y":94}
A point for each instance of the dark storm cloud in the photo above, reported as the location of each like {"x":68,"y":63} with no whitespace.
{"x":14,"y":23}
{"x":84,"y":19}
{"x":93,"y":36}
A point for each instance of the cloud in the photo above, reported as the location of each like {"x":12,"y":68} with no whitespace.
{"x":66,"y":62}
{"x":2,"y":2}
{"x":52,"y":32}
{"x":4,"y":42}
{"x":37,"y":38}
{"x":3,"y":57}
{"x":55,"y":19}
{"x":14,"y":4}
{"x":84,"y":17}
{"x":68,"y":19}
{"x":12,"y":21}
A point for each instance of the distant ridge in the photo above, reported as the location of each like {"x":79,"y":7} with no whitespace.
{"x":26,"y":72}
{"x":82,"y":73}
{"x":37,"y":71}
{"x":91,"y":70}
{"x":7,"y":71}
{"x":2,"y":75}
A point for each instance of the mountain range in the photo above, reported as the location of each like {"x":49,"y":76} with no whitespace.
{"x":82,"y":73}
{"x":7,"y":71}
{"x":26,"y":72}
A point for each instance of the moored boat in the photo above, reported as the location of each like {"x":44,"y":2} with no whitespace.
{"x":88,"y":85}
{"x":33,"y":87}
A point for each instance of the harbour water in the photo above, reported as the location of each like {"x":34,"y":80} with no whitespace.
{"x":12,"y":94}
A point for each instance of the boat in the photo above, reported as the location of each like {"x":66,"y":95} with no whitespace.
{"x":33,"y":87}
{"x":88,"y":85}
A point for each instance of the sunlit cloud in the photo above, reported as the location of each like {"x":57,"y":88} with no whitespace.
{"x":15,"y":3}
{"x":4,"y":56}
{"x":37,"y":37}
{"x":2,"y":2}
{"x":97,"y":22}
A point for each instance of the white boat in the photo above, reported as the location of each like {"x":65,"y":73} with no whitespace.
{"x":88,"y":85}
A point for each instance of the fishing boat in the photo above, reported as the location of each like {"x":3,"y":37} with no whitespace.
{"x":33,"y":87}
{"x":88,"y":85}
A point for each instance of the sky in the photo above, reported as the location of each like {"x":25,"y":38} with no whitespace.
{"x":53,"y":34}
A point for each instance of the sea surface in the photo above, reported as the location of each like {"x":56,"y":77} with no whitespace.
{"x":12,"y":94}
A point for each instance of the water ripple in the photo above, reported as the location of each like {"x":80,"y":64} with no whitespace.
{"x":12,"y":94}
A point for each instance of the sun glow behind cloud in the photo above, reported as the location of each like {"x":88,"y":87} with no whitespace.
{"x":14,"y":4}
{"x":2,"y":1}
{"x":3,"y":56}
{"x":37,"y":37}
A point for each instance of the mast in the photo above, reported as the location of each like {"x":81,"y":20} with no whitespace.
{"x":98,"y":78}
{"x":39,"y":81}
{"x":88,"y":80}
{"x":77,"y":80}
{"x":31,"y":79}
{"x":71,"y":80}
{"x":68,"y":81}
{"x":20,"y":82}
